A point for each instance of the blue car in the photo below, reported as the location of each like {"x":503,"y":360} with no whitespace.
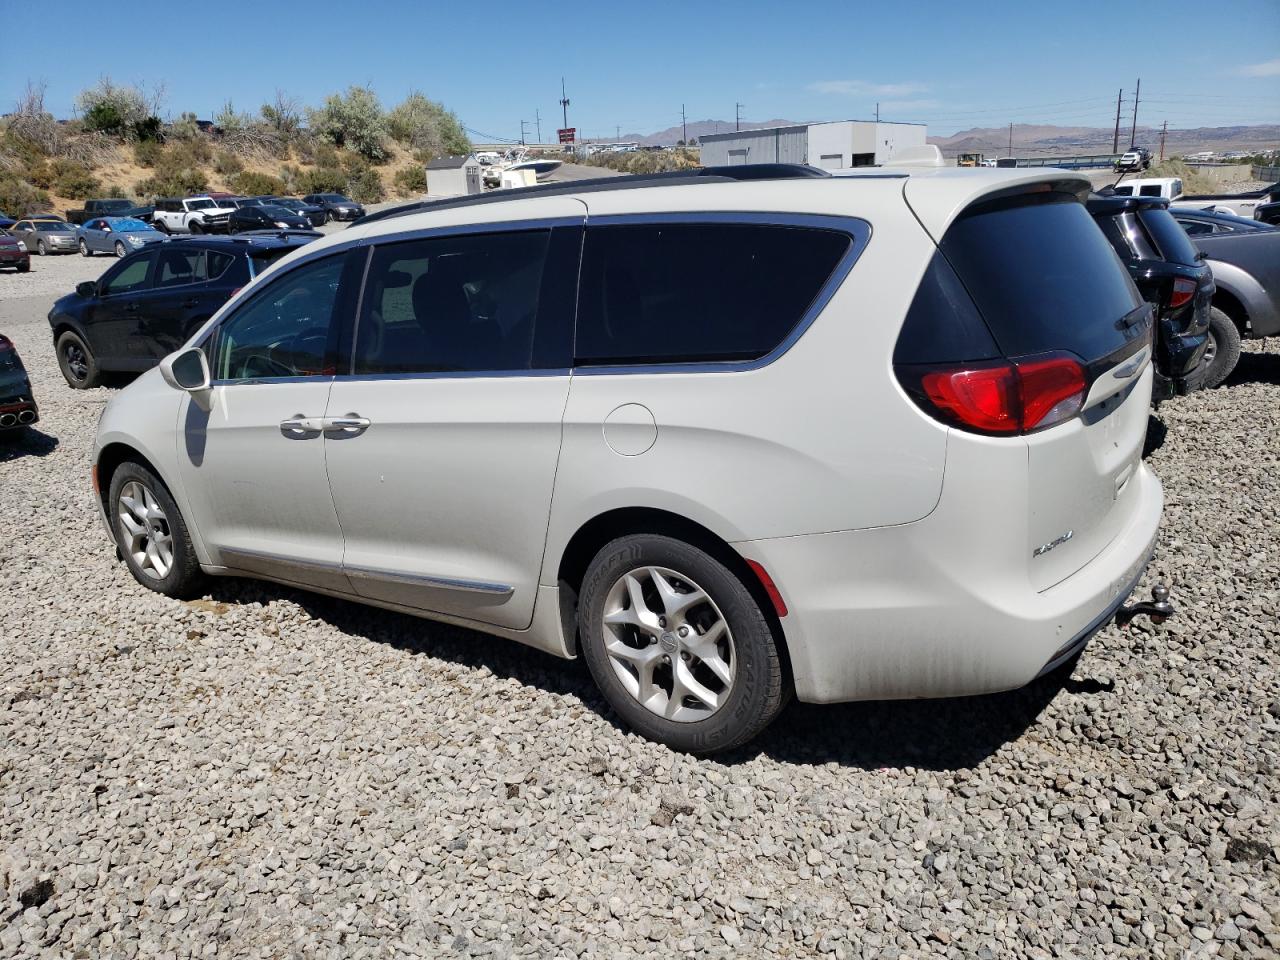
{"x":118,"y":235}
{"x":6,"y":221}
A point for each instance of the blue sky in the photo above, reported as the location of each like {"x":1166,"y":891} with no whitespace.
{"x":953,"y":65}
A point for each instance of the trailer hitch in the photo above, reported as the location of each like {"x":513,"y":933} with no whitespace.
{"x":1158,"y":608}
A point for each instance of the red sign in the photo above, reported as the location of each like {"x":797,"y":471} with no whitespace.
{"x":568,"y":134}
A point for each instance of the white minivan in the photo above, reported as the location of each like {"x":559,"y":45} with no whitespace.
{"x":730,"y":435}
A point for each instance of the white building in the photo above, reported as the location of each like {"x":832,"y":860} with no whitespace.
{"x":454,"y":176}
{"x":833,"y":145}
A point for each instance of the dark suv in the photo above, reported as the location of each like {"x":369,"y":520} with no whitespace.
{"x":1171,"y":275}
{"x":149,"y":303}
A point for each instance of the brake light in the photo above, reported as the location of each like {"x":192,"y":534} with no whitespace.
{"x":1183,"y":290}
{"x":1007,"y":397}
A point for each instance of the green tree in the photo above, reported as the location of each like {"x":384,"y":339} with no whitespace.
{"x":354,"y":120}
{"x":427,"y":127}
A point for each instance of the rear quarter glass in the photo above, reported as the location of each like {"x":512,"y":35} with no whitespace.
{"x":1175,"y":246}
{"x":1043,"y":277}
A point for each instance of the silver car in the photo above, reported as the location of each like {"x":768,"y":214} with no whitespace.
{"x":46,"y":236}
{"x":118,"y":235}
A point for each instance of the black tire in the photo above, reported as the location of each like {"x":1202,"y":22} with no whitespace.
{"x":84,"y":249}
{"x":161,"y":226}
{"x":756,"y":694}
{"x":195,"y":227}
{"x":76,"y":361}
{"x":184,"y":578}
{"x":120,"y":249}
{"x":24,"y":267}
{"x":328,"y":216}
{"x":1223,"y":352}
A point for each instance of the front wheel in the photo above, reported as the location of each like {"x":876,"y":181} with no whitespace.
{"x":1222,"y":352}
{"x":328,"y":216}
{"x":84,"y":249}
{"x":678,"y":645}
{"x":76,"y":362}
{"x":161,"y":226}
{"x":195,"y":227}
{"x":41,"y":248}
{"x":120,"y":250}
{"x":151,"y":534}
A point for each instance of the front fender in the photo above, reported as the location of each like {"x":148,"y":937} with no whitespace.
{"x":1259,"y":305}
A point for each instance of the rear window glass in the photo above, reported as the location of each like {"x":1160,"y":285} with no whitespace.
{"x":692,"y":292}
{"x":1043,"y":276}
{"x":1175,"y":246}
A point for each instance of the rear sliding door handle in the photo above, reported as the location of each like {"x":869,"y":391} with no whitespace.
{"x":348,"y":424}
{"x":298,"y":424}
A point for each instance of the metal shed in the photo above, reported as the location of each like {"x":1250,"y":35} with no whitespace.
{"x":832,"y":145}
{"x":454,"y":176}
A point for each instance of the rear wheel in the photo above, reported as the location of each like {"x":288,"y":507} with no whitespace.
{"x":1222,"y":352}
{"x":151,"y":534}
{"x":677,"y":644}
{"x":76,"y":362}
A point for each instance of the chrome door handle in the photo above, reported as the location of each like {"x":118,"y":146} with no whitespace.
{"x":300,"y":424}
{"x":350,"y":423}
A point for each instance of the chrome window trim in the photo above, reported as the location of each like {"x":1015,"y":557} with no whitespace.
{"x":858,"y":231}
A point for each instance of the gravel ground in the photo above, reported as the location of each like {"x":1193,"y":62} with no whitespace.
{"x":265,"y":773}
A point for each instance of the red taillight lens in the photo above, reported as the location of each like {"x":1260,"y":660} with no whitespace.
{"x":1183,"y":290}
{"x":1010,"y":397}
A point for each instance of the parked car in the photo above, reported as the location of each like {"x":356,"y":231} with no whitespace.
{"x":45,"y":236}
{"x":1170,"y":275}
{"x":739,"y":491}
{"x":1135,"y":158}
{"x":1245,"y":257}
{"x":45,"y":216}
{"x":314,"y":214}
{"x":6,"y":221}
{"x":118,"y":235}
{"x":190,"y":215}
{"x":17,"y":403}
{"x":148,"y":304}
{"x":1170,"y":188}
{"x":1241,"y":204}
{"x":14,"y":253}
{"x":109,"y":207}
{"x":335,"y":206}
{"x":266,"y":217}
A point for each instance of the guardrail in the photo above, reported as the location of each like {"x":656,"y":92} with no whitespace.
{"x":1271,"y":174}
{"x":1090,"y":161}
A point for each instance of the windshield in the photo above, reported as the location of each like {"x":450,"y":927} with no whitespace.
{"x":334,"y":198}
{"x":289,"y":204}
{"x":225,"y":204}
{"x":53,"y":226}
{"x":199,"y":204}
{"x":128,"y":224}
{"x":274,"y":211}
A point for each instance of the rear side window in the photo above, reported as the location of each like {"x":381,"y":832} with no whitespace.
{"x":692,"y":292}
{"x":1043,"y":276}
{"x":177,"y":266}
{"x":1173,"y":242}
{"x":217,"y":263}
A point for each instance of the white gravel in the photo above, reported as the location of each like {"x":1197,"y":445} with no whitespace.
{"x":265,"y":773}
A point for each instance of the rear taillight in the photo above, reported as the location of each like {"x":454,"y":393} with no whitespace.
{"x":1001,"y":397}
{"x":1183,"y":290}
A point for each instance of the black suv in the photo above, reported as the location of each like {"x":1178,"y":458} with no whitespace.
{"x":1171,"y":275}
{"x":149,"y":303}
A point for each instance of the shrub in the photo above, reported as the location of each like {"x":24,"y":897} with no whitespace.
{"x":112,"y":108}
{"x":427,"y":127}
{"x":147,"y":153}
{"x":114,"y":190}
{"x":251,"y":183}
{"x":149,"y":130}
{"x":39,"y":174}
{"x":411,"y":181}
{"x":317,"y":152}
{"x":354,"y":120}
{"x":75,"y":181}
{"x":173,"y":179}
{"x":366,"y":187}
{"x":282,"y":115}
{"x":18,"y":197}
{"x":321,"y":180}
{"x":193,"y":153}
{"x":227,"y":164}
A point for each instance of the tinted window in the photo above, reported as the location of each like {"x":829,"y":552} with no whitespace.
{"x":1170,"y":238}
{"x":128,"y":276}
{"x":216,"y":263}
{"x":452,"y":304}
{"x":284,"y":330}
{"x":176,"y":266}
{"x":698,"y":292}
{"x":943,"y":325}
{"x":1150,"y":190}
{"x":1043,"y":276}
{"x":1195,"y":228}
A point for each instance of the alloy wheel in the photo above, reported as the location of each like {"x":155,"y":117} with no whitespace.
{"x":120,"y":251}
{"x":147,"y":536}
{"x":1210,"y":349}
{"x":84,"y":248}
{"x":41,"y":248}
{"x":77,"y":360}
{"x":669,"y":644}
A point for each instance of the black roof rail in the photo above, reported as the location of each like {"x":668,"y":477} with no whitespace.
{"x":670,"y":178}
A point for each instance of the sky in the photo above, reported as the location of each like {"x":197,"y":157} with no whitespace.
{"x":630,"y":68}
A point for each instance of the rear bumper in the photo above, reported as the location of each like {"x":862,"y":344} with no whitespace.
{"x":929,"y":610}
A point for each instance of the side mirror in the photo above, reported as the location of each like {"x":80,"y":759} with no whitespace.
{"x":186,"y":370}
{"x":87,"y":289}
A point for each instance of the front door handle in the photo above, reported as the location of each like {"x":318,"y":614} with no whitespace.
{"x":351,"y":423}
{"x":130,"y":308}
{"x":298,"y":424}
{"x":190,"y":303}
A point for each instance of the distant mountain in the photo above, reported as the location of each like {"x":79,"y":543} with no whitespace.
{"x":1045,"y":140}
{"x":698,"y":128}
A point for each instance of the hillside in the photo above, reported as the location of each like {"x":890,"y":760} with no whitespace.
{"x":1045,"y":140}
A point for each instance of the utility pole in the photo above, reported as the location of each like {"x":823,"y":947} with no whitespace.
{"x":684,"y":126}
{"x":1010,"y":140}
{"x":523,"y":124}
{"x":737,"y":116}
{"x":1133,"y":131}
{"x":1164,"y":131}
{"x":877,"y":111}
{"x":564,"y":103}
{"x":537,"y":119}
{"x":1115,"y":140}
{"x":617,"y":131}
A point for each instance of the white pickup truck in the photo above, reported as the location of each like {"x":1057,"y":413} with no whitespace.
{"x":1241,"y":204}
{"x":190,"y":215}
